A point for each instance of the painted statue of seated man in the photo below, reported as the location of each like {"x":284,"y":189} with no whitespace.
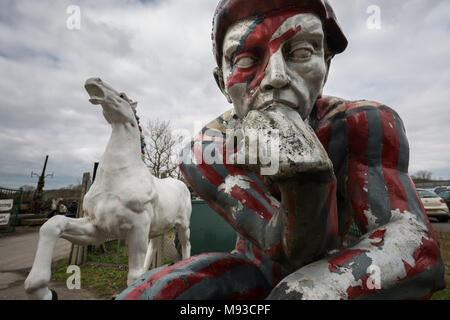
{"x":337,"y":217}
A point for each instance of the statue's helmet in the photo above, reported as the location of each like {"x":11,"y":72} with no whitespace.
{"x":230,"y":11}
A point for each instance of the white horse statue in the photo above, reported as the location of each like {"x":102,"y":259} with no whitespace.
{"x":124,"y":202}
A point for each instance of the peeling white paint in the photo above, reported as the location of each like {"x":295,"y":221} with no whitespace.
{"x":371,"y":219}
{"x":233,"y":181}
{"x":402,"y":238}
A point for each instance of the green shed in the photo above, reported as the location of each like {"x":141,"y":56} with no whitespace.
{"x":209,"y":231}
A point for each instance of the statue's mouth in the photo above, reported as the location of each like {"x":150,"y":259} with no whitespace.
{"x":96,"y":93}
{"x":272,"y":104}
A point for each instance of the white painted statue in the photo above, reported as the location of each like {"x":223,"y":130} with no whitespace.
{"x":124,"y":202}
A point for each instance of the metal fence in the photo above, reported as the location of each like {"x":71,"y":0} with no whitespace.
{"x":10,"y":201}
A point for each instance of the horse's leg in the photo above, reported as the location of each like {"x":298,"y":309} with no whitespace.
{"x":151,"y":253}
{"x":184,"y":235}
{"x":137,"y":240}
{"x":78,"y":231}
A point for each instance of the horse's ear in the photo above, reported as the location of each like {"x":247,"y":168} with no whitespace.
{"x":134,"y":105}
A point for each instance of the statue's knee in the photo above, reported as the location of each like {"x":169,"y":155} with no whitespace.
{"x":52,"y":227}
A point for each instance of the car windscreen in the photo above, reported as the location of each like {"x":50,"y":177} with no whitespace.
{"x":427,"y":194}
{"x":444,"y":194}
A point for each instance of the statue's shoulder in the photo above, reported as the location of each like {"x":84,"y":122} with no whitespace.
{"x":329,"y":107}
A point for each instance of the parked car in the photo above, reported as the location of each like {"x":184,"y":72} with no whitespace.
{"x":445,"y":194}
{"x":434,"y":205}
{"x":439,"y":189}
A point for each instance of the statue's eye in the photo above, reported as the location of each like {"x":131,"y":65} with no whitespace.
{"x":301,"y":53}
{"x":124,"y":96}
{"x":245,"y":62}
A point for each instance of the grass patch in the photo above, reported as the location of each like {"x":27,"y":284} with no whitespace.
{"x":105,"y":281}
{"x":105,"y":273}
{"x":109,"y":255}
{"x":442,"y":295}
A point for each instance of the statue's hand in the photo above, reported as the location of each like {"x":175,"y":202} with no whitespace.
{"x":280,"y":145}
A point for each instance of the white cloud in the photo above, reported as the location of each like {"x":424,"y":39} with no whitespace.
{"x":160,"y":54}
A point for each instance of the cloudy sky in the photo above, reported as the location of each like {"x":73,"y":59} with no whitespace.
{"x":159,"y":52}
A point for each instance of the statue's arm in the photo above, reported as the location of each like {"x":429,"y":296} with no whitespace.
{"x":398,"y":255}
{"x":294,"y":232}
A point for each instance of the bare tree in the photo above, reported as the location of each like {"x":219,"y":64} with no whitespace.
{"x":422,"y":175}
{"x":160,"y":152}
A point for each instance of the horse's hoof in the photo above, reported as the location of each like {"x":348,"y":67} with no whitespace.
{"x":54,"y":295}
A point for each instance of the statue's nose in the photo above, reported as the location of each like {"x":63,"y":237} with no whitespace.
{"x":276,"y":76}
{"x":94,"y":80}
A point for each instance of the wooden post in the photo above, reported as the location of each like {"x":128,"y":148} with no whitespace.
{"x":118,"y":251}
{"x":78,"y":254}
{"x":160,"y":251}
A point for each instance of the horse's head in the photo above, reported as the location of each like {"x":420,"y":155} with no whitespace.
{"x":117,"y":107}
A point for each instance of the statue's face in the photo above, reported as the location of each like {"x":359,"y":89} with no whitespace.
{"x":278,"y":60}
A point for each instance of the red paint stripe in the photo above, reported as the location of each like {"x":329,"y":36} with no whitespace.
{"x":206,"y":170}
{"x":322,"y":106}
{"x":339,"y":261}
{"x":136,"y":293}
{"x":213,"y":271}
{"x":216,"y":208}
{"x":324,"y":134}
{"x":237,"y":192}
{"x":289,"y":204}
{"x":241,"y":246}
{"x":240,"y":194}
{"x":276,"y":274}
{"x":332,"y":209}
{"x":257,"y":253}
{"x":235,"y":171}
{"x":425,"y":257}
{"x":275,"y":251}
{"x":391,"y":148}
{"x":358,"y":104}
{"x":379,"y":235}
{"x":247,"y":200}
{"x":354,"y":292}
{"x":357,"y":173}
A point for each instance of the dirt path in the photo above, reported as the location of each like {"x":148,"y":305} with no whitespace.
{"x":17,"y":253}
